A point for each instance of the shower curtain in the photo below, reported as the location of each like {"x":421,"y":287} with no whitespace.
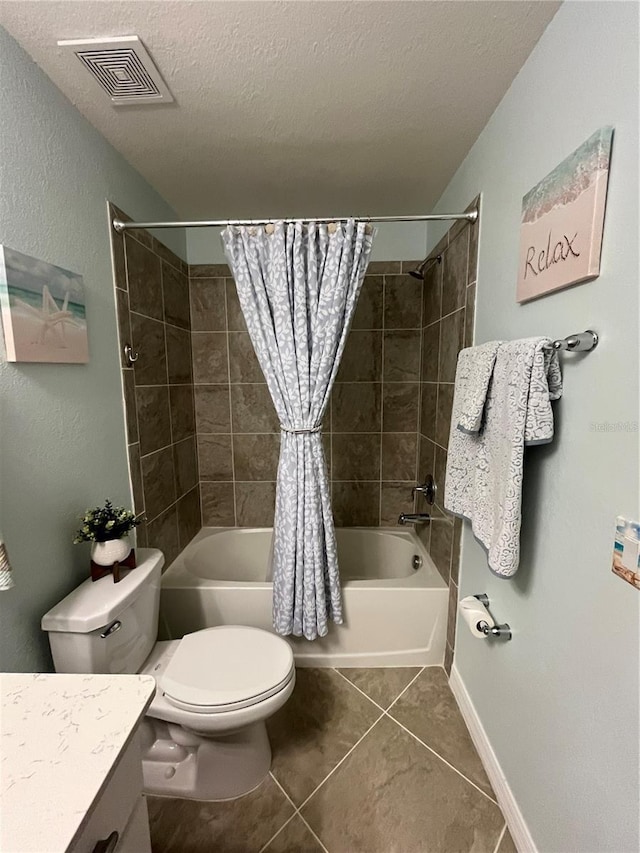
{"x":298,"y":285}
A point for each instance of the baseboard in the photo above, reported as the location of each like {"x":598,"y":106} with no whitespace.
{"x":507,"y":802}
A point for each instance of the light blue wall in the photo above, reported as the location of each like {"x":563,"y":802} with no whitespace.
{"x":395,"y":241}
{"x":62,"y":440}
{"x":560,"y":702}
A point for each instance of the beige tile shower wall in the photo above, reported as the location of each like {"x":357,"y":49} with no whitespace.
{"x":152,"y":298}
{"x":448,"y":317}
{"x":371,"y":427}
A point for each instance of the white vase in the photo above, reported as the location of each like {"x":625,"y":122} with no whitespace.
{"x":110,"y":552}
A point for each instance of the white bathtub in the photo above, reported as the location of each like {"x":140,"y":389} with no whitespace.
{"x":395,"y":615}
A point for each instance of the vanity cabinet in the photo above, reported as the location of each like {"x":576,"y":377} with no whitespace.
{"x":119,"y":822}
{"x":71,"y":777}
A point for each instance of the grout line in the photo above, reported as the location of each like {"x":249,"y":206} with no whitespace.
{"x":435,"y":421}
{"x":166,"y":509}
{"x":408,"y":731}
{"x":284,"y":792}
{"x":325,"y":432}
{"x":440,"y":337}
{"x":466,"y":266}
{"x":382,"y":371}
{"x":197,"y":277}
{"x":135,"y":401}
{"x":337,"y":382}
{"x":317,"y":838}
{"x":288,"y":820}
{"x":383,"y":713}
{"x":296,"y":813}
{"x":245,"y":332}
{"x":166,"y":357}
{"x":231,"y":432}
{"x":351,"y":684}
{"x":444,"y":760}
{"x":403,"y":482}
{"x":273,"y":837}
{"x":166,"y":446}
{"x":404,"y":690}
{"x":172,"y":505}
{"x":155,"y":319}
{"x":418,"y":477}
{"x":182,"y":384}
{"x":500,"y":837}
{"x":153,"y":251}
{"x":450,"y":314}
{"x":342,"y":760}
{"x":389,"y":328}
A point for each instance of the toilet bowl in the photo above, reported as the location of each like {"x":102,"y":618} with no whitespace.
{"x":204,"y":735}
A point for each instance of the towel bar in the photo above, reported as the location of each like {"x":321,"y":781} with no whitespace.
{"x":582,"y":342}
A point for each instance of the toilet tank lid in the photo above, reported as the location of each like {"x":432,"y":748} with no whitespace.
{"x":95,"y":604}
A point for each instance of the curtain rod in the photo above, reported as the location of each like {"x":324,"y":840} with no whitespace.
{"x":119,"y":225}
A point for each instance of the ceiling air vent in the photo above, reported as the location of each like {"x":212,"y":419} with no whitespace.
{"x":123,"y":68}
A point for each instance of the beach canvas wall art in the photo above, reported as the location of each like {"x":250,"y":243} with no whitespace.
{"x":43,"y":310}
{"x":626,"y":551}
{"x":563,"y":221}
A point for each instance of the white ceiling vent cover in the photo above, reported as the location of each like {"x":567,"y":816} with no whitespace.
{"x":123,"y":68}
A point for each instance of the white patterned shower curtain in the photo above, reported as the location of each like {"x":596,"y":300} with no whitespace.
{"x":298,"y":285}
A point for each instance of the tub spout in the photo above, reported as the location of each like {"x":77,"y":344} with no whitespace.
{"x":414,"y":518}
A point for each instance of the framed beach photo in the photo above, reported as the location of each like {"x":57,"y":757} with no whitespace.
{"x":43,"y":310}
{"x":563,"y":221}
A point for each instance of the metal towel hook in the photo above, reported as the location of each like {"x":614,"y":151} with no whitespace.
{"x":130,"y":355}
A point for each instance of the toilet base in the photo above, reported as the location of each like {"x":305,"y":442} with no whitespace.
{"x":179,"y":763}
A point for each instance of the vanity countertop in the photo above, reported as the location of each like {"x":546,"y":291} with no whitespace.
{"x":61,"y":737}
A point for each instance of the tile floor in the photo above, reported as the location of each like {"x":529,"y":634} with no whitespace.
{"x":364,"y":761}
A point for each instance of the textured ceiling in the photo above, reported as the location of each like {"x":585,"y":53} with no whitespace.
{"x":295,"y":108}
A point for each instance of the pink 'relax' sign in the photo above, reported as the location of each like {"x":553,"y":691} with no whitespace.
{"x":563,"y":220}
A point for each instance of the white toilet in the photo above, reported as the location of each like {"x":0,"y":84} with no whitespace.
{"x":204,"y":735}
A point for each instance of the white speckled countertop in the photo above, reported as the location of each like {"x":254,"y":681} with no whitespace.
{"x":60,"y":738}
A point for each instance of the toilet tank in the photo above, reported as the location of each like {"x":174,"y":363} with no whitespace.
{"x":108,"y":627}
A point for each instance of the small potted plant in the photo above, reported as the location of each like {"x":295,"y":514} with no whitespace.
{"x":107,"y":528}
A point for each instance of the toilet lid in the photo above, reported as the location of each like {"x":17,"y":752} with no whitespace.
{"x":221,"y":669}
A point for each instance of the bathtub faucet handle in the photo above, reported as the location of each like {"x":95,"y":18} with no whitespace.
{"x":428,"y":489}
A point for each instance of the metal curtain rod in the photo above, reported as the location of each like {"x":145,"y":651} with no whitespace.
{"x":119,"y":225}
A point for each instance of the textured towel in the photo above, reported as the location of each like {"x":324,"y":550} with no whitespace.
{"x":6,"y":576}
{"x":485,"y":469}
{"x":477,"y":370}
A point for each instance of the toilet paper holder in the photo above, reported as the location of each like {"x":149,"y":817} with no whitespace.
{"x":501,"y":632}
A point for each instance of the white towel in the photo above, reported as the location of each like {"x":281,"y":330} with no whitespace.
{"x":485,"y":468}
{"x":6,"y":576}
{"x":477,"y":370}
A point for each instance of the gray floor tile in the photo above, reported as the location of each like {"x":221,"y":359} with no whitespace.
{"x":391,"y":795}
{"x":381,"y":685}
{"x":237,"y":826}
{"x":294,"y":838}
{"x":320,"y":723}
{"x":506,"y":844}
{"x":429,"y":710}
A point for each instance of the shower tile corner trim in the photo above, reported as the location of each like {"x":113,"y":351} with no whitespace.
{"x":448,"y":309}
{"x":153,"y":312}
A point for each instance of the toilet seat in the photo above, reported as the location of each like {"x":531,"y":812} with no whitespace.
{"x":223,"y":669}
